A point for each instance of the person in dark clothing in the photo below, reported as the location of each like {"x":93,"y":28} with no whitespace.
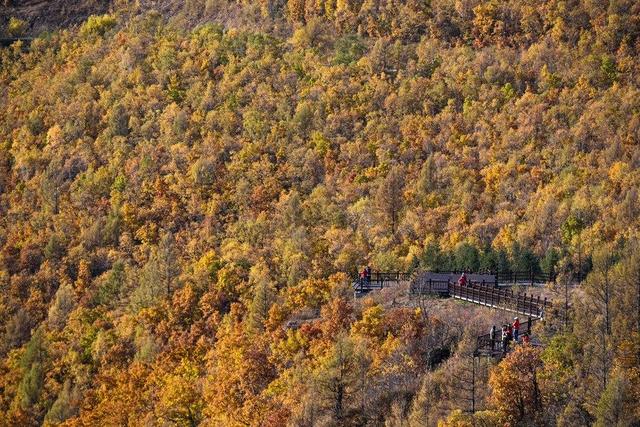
{"x":368,"y":273}
{"x":492,"y":336}
{"x":505,"y":339}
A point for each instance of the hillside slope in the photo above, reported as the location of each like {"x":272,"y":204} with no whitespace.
{"x":48,"y":15}
{"x":183,"y":199}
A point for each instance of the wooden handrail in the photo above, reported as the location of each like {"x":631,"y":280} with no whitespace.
{"x":508,"y":276}
{"x":378,"y":280}
{"x":499,"y":298}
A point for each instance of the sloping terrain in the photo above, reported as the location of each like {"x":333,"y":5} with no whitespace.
{"x":50,"y":15}
{"x":181,"y":207}
{"x":47,"y":15}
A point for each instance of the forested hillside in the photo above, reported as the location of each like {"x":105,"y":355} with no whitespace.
{"x":186,"y":190}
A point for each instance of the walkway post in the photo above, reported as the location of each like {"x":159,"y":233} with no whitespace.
{"x":531,"y":304}
{"x":531,"y":275}
{"x":473,"y":385}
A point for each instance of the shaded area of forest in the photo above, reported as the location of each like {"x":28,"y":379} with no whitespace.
{"x":181,"y":203}
{"x":48,"y":15}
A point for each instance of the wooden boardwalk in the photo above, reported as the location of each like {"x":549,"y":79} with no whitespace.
{"x":482,"y":289}
{"x":482,"y":293}
{"x":379,"y":280}
{"x":500,"y":299}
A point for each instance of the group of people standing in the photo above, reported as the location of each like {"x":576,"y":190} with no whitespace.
{"x":510,"y":332}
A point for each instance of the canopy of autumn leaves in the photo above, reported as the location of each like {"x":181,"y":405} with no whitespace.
{"x":185,"y":192}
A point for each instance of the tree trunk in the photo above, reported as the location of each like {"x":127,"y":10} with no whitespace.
{"x":338,"y":409}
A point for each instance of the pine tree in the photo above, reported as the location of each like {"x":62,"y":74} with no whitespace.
{"x":263,"y":297}
{"x":167,"y":257}
{"x":389,"y":197}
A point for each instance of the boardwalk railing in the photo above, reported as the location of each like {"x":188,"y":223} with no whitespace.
{"x":423,"y":286}
{"x":504,"y":299}
{"x":517,"y":277}
{"x":483,"y":294}
{"x":378,"y":280}
{"x":501,"y":278}
{"x":506,"y":277}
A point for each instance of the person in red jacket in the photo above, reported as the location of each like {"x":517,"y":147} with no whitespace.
{"x":363,"y":277}
{"x":516,"y":328}
{"x":525,"y":339}
{"x":462,"y":281}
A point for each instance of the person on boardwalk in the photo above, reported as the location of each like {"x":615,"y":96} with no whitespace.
{"x":516,"y":328}
{"x":505,"y":339}
{"x":492,"y":336}
{"x":363,"y":276}
{"x":462,"y":281}
{"x":368,"y":274}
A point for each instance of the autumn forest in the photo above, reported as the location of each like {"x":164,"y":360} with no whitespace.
{"x":188,"y":190}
